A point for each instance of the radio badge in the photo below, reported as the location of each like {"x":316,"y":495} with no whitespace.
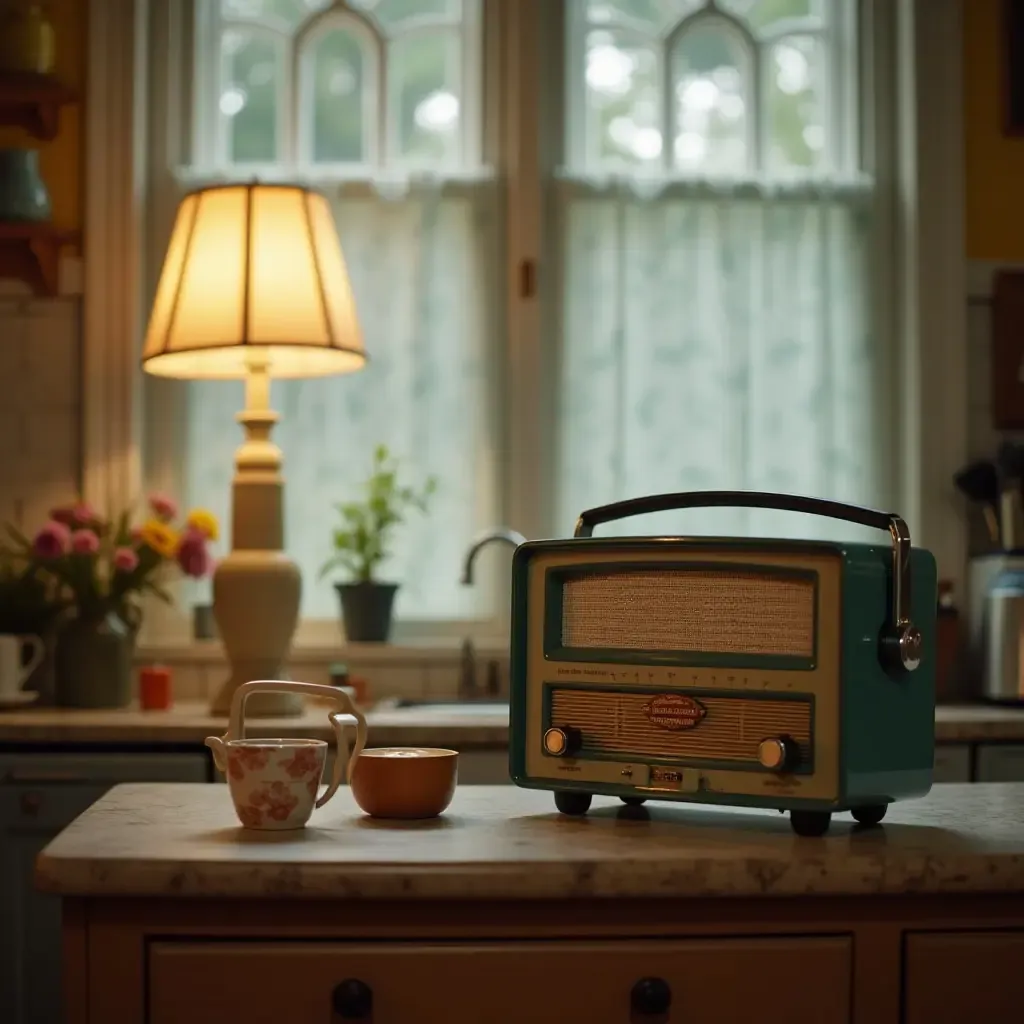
{"x":674,"y":711}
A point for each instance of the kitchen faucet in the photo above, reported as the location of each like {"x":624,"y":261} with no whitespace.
{"x":468,"y":688}
{"x":503,"y":534}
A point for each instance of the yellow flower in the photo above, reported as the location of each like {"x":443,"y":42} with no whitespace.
{"x":205,"y":522}
{"x":160,"y":537}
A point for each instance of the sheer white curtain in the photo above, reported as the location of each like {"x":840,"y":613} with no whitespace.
{"x":719,"y":338}
{"x":421,"y":261}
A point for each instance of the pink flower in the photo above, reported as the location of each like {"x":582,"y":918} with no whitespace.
{"x":83,"y":514}
{"x":193,"y":556}
{"x":125,"y":560}
{"x":64,"y":515}
{"x":163,"y":507}
{"x":85,"y":542}
{"x":52,"y":540}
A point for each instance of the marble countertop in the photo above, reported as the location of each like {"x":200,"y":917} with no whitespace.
{"x":189,"y":723}
{"x":976,"y":723}
{"x":507,"y":843}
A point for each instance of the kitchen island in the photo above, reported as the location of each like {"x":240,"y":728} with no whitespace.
{"x":501,"y":910}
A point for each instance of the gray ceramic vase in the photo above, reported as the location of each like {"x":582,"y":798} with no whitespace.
{"x":23,"y":195}
{"x":94,"y":663}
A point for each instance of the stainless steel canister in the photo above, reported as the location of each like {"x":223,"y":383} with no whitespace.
{"x":1003,"y":678}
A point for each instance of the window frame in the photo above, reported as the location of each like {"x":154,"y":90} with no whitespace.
{"x":917,"y":46}
{"x":843,"y":100}
{"x":205,"y":46}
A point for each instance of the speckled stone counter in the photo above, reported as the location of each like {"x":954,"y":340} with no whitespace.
{"x":504,"y":842}
{"x":190,"y":723}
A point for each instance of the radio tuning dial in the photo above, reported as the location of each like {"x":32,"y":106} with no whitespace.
{"x":562,"y":741}
{"x":779,"y":753}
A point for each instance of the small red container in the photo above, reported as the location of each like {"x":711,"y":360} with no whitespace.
{"x":155,"y":688}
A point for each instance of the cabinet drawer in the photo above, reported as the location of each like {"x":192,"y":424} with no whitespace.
{"x":802,"y":980}
{"x":1001,"y":763}
{"x":952,"y":762}
{"x":953,"y":977}
{"x":74,"y":769}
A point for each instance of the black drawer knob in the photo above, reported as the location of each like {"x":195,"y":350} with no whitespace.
{"x":651,"y":997}
{"x":353,"y":1000}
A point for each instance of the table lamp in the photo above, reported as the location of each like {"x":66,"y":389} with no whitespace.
{"x":254,"y":286}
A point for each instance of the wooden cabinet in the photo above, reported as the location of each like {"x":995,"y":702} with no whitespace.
{"x":1000,"y":762}
{"x":867,"y":959}
{"x":40,"y":795}
{"x":953,"y":762}
{"x":796,"y":980}
{"x":956,"y":977}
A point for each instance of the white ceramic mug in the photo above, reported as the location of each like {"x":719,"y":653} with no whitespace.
{"x":12,"y":673}
{"x":274,"y":782}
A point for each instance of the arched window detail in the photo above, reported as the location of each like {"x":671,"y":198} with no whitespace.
{"x":711,"y":88}
{"x":339,"y":93}
{"x":350,"y":86}
{"x":717,"y":88}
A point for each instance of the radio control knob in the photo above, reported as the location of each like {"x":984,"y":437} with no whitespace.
{"x":562,"y":741}
{"x":779,"y":753}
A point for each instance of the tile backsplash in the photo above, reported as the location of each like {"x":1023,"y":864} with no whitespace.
{"x":40,"y":406}
{"x":390,"y":671}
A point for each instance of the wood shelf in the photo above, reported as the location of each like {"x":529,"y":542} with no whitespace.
{"x":30,"y":251}
{"x":33,"y":102}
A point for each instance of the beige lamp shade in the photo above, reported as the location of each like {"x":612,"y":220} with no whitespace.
{"x":253,"y":271}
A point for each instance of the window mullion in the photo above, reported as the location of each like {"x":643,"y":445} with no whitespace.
{"x":210,"y":135}
{"x":385,"y":146}
{"x":573,"y":90}
{"x":758,"y":104}
{"x":288,"y":98}
{"x":669,"y":120}
{"x":522,"y":73}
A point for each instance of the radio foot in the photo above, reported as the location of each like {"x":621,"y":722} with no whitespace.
{"x":573,"y":803}
{"x":872,"y":814}
{"x":633,"y":801}
{"x":810,"y":823}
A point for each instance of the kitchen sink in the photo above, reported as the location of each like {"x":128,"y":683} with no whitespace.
{"x":485,"y":705}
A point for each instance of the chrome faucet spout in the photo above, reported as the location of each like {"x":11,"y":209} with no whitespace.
{"x":503,"y":535}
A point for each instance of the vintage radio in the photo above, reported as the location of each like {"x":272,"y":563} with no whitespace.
{"x":788,"y":674}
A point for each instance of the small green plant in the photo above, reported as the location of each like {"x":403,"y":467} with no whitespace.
{"x":363,"y":540}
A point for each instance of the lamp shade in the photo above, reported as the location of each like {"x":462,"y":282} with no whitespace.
{"x":253,"y":270}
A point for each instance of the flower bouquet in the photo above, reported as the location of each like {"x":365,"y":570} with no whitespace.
{"x":97,"y":570}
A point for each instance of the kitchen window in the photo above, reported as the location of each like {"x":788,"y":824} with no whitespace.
{"x":598,"y":248}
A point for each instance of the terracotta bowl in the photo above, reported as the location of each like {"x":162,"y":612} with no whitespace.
{"x":405,"y":782}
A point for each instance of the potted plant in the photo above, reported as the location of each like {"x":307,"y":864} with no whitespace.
{"x":98,"y":569}
{"x":363,"y":541}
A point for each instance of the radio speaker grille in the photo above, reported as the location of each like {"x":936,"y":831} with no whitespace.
{"x":713,"y":611}
{"x":613,"y":722}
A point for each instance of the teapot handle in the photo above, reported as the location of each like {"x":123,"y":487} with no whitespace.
{"x":339,"y":721}
{"x":349,"y":714}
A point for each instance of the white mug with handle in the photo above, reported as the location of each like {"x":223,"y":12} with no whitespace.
{"x":12,"y":673}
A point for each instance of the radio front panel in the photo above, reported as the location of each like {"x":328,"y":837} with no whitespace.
{"x":668,"y":673}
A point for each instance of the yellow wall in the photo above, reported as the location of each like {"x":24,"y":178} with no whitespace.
{"x":62,"y":160}
{"x":994,"y":162}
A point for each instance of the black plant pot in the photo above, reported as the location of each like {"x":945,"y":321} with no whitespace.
{"x":366,"y":610}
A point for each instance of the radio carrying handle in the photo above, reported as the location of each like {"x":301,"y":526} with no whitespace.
{"x":901,"y":640}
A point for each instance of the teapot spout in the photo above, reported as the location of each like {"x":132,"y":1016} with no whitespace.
{"x":220,"y":752}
